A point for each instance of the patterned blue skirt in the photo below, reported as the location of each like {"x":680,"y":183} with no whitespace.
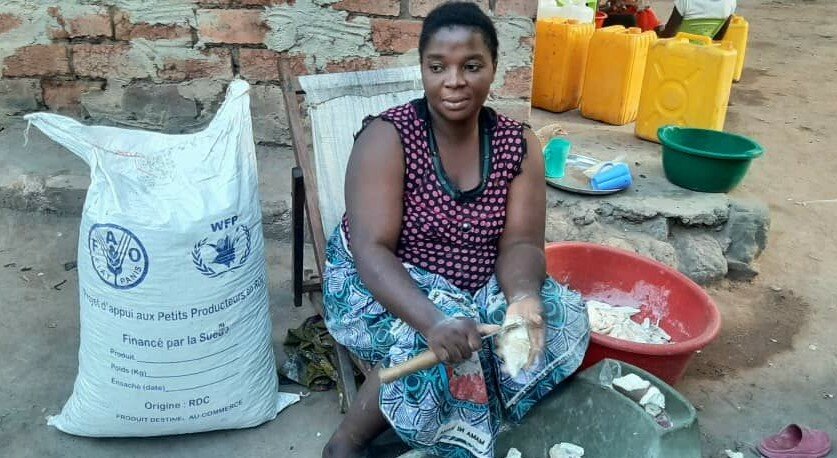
{"x":450,"y":411}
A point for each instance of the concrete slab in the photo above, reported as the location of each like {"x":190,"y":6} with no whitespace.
{"x":651,"y":195}
{"x":688,"y":230}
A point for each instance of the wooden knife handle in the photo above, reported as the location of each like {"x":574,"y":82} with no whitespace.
{"x":424,"y":360}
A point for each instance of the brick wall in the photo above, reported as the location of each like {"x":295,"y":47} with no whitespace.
{"x":164,"y":65}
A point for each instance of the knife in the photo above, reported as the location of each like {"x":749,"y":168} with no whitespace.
{"x":428,"y":359}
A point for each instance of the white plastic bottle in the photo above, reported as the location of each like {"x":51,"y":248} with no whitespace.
{"x":572,"y":9}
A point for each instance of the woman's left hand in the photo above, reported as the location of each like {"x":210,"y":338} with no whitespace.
{"x":530,"y":310}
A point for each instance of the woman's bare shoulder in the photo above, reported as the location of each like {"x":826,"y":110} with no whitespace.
{"x":377,"y":147}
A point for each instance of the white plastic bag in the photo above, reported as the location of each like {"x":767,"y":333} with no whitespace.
{"x":175,"y":327}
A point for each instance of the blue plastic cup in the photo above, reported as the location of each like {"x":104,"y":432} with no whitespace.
{"x":555,"y":157}
{"x":612,"y":176}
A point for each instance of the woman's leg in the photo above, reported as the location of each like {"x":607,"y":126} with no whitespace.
{"x":361,"y":425}
{"x":439,"y":410}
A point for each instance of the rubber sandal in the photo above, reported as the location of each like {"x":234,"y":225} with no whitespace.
{"x":796,"y":442}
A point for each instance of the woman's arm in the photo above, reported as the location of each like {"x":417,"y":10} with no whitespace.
{"x":672,"y":26}
{"x":521,"y":265}
{"x":374,"y":205}
{"x":722,"y":32}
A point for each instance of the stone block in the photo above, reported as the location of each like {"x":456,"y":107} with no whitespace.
{"x":170,"y":108}
{"x":161,"y":104}
{"x":560,"y":227}
{"x":65,"y":96}
{"x":657,"y":227}
{"x":746,"y":231}
{"x":700,"y":256}
{"x":740,"y":271}
{"x":270,"y":122}
{"x":19,"y":96}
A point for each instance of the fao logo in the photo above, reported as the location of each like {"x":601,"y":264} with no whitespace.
{"x":117,"y":255}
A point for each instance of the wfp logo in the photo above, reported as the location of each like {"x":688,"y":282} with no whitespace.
{"x":224,"y":252}
{"x":117,"y":255}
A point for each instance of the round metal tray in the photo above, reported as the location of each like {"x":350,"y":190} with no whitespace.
{"x":574,"y":179}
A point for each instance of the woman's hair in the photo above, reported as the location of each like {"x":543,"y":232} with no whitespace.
{"x":459,"y":14}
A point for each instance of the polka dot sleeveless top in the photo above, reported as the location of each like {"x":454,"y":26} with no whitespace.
{"x":445,"y":231}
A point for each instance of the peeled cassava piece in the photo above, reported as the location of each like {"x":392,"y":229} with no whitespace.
{"x":514,"y":346}
{"x":514,"y":453}
{"x":632,"y":386}
{"x":566,"y":450}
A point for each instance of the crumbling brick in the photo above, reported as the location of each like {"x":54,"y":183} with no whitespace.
{"x":65,"y":96}
{"x":395,"y":35}
{"x":238,"y":26}
{"x":421,"y":8}
{"x":38,"y":60}
{"x":379,"y":7}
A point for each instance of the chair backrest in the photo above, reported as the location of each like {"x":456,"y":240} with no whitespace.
{"x":336,"y":104}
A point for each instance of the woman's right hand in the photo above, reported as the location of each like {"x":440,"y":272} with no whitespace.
{"x":454,"y":340}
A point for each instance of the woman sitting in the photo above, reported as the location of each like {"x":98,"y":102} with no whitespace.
{"x":444,"y":230}
{"x":699,"y":17}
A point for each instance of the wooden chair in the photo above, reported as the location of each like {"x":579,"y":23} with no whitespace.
{"x":332,"y":106}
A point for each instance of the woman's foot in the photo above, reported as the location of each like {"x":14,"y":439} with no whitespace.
{"x":362,"y":424}
{"x":340,"y":446}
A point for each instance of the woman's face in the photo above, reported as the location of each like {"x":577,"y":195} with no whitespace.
{"x":457,"y":71}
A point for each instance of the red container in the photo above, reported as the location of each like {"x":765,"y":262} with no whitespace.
{"x":600,"y":18}
{"x":620,"y":277}
{"x":647,"y":19}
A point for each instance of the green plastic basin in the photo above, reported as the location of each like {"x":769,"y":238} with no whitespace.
{"x":606,"y":423}
{"x":706,"y":160}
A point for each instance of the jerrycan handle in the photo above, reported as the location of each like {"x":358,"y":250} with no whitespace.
{"x":702,"y":39}
{"x":666,"y":130}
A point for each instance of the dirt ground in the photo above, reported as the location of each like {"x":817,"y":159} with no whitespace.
{"x":775,"y":362}
{"x":776,"y":359}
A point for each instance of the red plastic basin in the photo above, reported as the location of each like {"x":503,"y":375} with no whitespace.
{"x":623,"y":278}
{"x":600,"y":18}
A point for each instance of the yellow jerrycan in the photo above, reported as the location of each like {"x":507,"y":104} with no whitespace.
{"x":613,"y":78}
{"x":687,"y":83}
{"x":737,"y":34}
{"x":560,"y":58}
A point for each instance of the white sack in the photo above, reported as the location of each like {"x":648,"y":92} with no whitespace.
{"x":175,"y":329}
